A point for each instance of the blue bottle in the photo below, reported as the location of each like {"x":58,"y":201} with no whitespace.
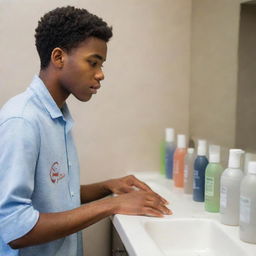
{"x":170,"y":147}
{"x":200,"y":165}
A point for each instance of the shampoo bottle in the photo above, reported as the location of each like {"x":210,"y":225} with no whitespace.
{"x":212,"y":180}
{"x":179,"y":157}
{"x":230,"y":189}
{"x":200,"y":164}
{"x":189,"y":171}
{"x":248,"y":205}
{"x":169,"y":152}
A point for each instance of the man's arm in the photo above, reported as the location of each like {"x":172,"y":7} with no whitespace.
{"x":52,"y":226}
{"x":94,"y":192}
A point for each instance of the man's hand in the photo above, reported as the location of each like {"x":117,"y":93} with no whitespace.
{"x":126,"y":184}
{"x":136,"y":197}
{"x":140,"y":203}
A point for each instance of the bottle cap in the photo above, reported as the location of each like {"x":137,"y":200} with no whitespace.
{"x":214,"y":154}
{"x":234,"y":158}
{"x":252,"y":167}
{"x":191,"y":150}
{"x":181,"y":141}
{"x":169,"y":134}
{"x":201,"y":150}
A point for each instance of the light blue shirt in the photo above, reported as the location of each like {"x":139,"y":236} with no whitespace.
{"x":39,"y":170}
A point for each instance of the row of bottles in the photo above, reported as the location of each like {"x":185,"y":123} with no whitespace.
{"x":228,"y":192}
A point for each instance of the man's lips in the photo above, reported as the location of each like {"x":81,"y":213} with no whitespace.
{"x":94,"y":88}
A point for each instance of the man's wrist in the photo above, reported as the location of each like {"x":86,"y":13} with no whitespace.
{"x":112,"y":207}
{"x":107,"y":186}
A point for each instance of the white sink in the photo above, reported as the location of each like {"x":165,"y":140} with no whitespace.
{"x":191,"y":237}
{"x":190,"y":231}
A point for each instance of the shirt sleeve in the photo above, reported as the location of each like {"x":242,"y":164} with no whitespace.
{"x":19,"y":149}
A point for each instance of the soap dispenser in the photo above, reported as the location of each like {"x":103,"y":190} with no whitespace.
{"x":230,"y":189}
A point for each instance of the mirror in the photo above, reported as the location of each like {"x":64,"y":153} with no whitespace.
{"x":223,"y":74}
{"x":246,"y":90}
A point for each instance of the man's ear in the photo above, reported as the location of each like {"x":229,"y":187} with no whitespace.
{"x":57,"y":57}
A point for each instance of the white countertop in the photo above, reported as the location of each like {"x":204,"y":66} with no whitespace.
{"x":131,"y":228}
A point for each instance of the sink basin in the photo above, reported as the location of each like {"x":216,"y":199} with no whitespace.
{"x":190,"y":231}
{"x":191,"y":237}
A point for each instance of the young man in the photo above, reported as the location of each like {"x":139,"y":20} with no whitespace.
{"x":40,"y":192}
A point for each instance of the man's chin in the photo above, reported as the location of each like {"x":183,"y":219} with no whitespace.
{"x":84,"y":98}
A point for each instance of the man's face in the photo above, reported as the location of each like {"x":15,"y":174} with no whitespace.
{"x":82,"y":70}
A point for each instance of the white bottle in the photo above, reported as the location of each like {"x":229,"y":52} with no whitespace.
{"x":248,"y":205}
{"x":230,"y":189}
{"x":189,"y":171}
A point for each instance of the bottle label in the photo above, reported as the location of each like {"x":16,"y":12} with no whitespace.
{"x":209,"y":186}
{"x":245,"y":209}
{"x":196,"y":179}
{"x":223,"y":196}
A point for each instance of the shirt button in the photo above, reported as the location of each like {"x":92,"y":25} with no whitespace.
{"x":72,"y":194}
{"x":69,"y":164}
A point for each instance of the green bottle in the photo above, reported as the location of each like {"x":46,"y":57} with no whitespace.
{"x":162,"y":159}
{"x":212,"y":180}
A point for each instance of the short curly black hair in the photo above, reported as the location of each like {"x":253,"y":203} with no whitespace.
{"x":66,"y":27}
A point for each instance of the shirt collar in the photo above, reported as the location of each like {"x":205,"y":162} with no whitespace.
{"x":38,"y":87}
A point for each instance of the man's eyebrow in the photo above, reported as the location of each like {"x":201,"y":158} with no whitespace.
{"x":98,"y":57}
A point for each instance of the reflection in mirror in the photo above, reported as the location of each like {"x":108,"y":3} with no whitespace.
{"x":246,"y":92}
{"x":223,"y":75}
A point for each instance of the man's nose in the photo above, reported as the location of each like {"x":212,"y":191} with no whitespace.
{"x":99,"y":75}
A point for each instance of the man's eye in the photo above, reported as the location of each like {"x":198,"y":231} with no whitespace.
{"x":93,"y":63}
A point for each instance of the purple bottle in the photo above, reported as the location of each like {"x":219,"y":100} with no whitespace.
{"x":170,"y":147}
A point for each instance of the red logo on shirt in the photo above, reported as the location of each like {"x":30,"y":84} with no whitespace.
{"x":55,"y":174}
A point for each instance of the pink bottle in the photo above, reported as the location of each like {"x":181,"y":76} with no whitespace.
{"x":178,"y":161}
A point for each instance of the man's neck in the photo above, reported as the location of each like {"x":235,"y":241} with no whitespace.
{"x":50,"y":79}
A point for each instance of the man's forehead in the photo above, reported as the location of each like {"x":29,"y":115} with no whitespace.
{"x":94,"y":47}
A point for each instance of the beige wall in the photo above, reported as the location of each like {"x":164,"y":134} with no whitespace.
{"x":146,"y":87}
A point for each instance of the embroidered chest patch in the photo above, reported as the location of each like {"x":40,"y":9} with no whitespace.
{"x":55,"y":174}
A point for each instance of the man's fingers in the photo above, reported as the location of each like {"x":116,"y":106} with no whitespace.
{"x":161,"y":198}
{"x":152,"y":212}
{"x":158,"y":205}
{"x":144,"y":186}
{"x":157,"y":196}
{"x":139,"y":184}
